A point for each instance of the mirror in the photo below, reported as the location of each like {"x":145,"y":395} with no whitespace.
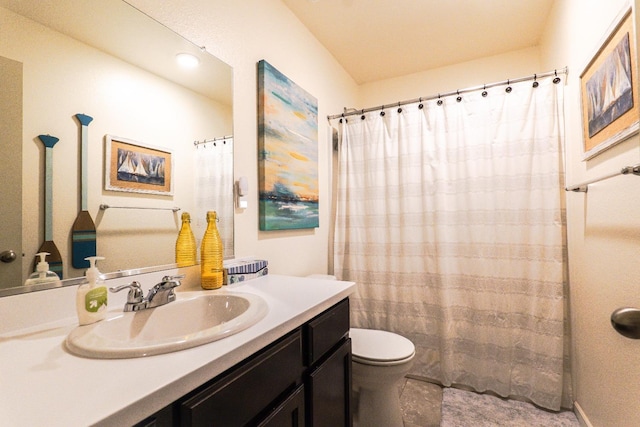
{"x":109,"y":61}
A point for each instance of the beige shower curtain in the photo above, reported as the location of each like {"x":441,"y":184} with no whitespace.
{"x":450,"y":219}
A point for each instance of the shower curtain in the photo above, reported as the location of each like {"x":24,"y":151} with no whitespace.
{"x":214,"y":190}
{"x":450,"y":219}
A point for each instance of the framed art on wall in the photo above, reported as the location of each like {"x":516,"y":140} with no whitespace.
{"x":288,"y":152}
{"x":139,"y":168}
{"x":609,"y":89}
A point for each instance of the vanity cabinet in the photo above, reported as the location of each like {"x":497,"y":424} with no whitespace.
{"x":328,"y":362}
{"x":304,"y":378}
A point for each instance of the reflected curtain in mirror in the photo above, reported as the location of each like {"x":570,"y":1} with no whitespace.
{"x":213,"y":164}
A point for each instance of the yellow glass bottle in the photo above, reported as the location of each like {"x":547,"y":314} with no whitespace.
{"x":186,"y":250}
{"x":211,"y":269}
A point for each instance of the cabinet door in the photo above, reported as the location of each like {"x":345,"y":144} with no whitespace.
{"x":289,"y":414}
{"x":329,"y":390}
{"x":247,"y":393}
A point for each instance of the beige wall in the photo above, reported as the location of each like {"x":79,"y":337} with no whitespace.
{"x":603,"y":225}
{"x":603,"y":232}
{"x":519,"y":63}
{"x":241,"y":33}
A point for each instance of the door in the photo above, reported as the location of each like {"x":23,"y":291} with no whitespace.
{"x":11,"y":173}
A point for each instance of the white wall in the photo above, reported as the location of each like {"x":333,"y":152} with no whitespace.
{"x":241,"y":33}
{"x":603,"y":232}
{"x":124,"y":101}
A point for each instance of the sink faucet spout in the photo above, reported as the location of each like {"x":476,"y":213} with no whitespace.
{"x":160,"y":294}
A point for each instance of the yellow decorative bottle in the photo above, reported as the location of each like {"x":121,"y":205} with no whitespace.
{"x":211,"y":269}
{"x":186,"y":251}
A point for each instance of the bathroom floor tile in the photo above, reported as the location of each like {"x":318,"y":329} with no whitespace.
{"x":421,"y":403}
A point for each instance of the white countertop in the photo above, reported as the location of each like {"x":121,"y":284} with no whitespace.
{"x":41,"y":383}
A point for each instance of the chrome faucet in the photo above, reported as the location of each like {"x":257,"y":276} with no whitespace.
{"x":161,"y":294}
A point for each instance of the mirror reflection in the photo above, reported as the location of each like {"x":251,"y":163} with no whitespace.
{"x":64,"y":61}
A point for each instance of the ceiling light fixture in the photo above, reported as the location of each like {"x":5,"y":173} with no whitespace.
{"x":187,"y":60}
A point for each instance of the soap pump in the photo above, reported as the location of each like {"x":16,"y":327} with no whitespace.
{"x":42,"y":273}
{"x":91,"y":298}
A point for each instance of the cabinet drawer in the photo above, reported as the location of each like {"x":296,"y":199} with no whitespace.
{"x":325,"y":331}
{"x":239,"y":397}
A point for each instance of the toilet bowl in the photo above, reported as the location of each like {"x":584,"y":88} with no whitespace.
{"x":379,"y":361}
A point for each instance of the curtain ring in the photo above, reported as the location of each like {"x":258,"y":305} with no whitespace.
{"x":535,"y":81}
{"x":557,"y":79}
{"x":439,"y":100}
{"x":459,"y":98}
{"x":484,"y":91}
{"x":420,"y":106}
{"x":399,"y":108}
{"x":382,"y":113}
{"x":508,"y":89}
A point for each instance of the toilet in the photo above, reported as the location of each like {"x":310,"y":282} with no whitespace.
{"x":379,"y":361}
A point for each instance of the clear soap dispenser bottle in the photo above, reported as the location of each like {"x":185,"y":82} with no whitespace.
{"x":91,"y":298}
{"x":42,"y":273}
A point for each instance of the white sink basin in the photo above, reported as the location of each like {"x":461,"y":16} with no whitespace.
{"x":195,"y":318}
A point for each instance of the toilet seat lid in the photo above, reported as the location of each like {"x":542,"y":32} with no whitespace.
{"x":379,"y":347}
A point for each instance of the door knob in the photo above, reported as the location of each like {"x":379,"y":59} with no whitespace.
{"x":626,"y":321}
{"x":8,"y":256}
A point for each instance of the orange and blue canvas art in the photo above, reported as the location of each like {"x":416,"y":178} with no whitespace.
{"x":288,"y":152}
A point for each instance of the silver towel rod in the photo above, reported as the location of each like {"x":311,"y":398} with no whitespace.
{"x":104,"y":207}
{"x":584,"y":187}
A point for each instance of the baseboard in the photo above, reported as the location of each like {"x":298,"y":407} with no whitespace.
{"x":582,"y":417}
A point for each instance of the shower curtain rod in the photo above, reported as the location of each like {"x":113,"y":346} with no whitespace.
{"x":218,"y":138}
{"x":455,"y":92}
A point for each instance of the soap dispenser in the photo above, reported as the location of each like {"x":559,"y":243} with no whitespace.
{"x":42,"y":273}
{"x":91,"y":298}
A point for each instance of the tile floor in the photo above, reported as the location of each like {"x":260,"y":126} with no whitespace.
{"x":421,"y":404}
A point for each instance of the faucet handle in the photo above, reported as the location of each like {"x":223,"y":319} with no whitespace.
{"x":135,"y":292}
{"x":169,"y":282}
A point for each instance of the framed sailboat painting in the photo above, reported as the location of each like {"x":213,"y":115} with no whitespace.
{"x":139,"y":168}
{"x":609,"y":87}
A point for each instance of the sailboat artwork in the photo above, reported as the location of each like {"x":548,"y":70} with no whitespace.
{"x":609,"y":90}
{"x":137,"y":168}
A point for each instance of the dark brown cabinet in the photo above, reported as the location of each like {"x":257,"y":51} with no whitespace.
{"x":329,"y":389}
{"x":302,"y":379}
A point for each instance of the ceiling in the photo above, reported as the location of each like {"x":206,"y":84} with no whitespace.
{"x":119,"y":29}
{"x":380,"y":39}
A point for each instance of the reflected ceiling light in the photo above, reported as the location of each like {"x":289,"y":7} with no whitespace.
{"x":187,"y":60}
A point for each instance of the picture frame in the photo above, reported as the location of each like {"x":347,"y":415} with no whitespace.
{"x":134,"y":167}
{"x":609,"y":89}
{"x":288,"y":153}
